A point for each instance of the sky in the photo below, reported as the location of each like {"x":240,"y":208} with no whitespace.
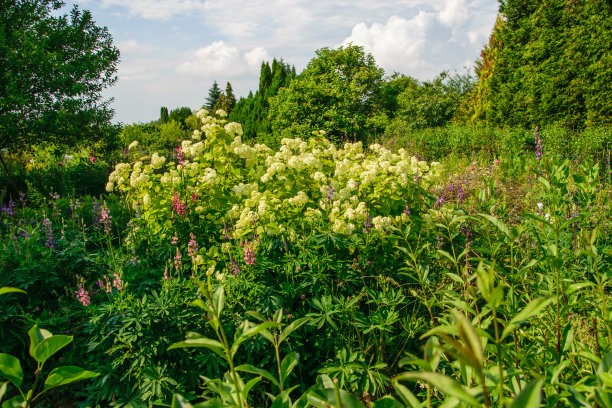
{"x":173,"y":50}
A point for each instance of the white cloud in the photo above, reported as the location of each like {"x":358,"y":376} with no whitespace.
{"x":429,"y":42}
{"x":219,"y":58}
{"x":256,"y":56}
{"x":158,"y":9}
{"x":454,"y":12}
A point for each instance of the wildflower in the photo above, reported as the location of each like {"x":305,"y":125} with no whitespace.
{"x":175,"y":238}
{"x":330,"y":194}
{"x":166,"y":276}
{"x":192,"y":247}
{"x":234,"y":266}
{"x":538,"y":142}
{"x":82,"y":294}
{"x":92,"y":159}
{"x":105,"y":218}
{"x":133,"y":145}
{"x":367,"y":224}
{"x":178,"y":206}
{"x":249,"y":253}
{"x":117,"y":282}
{"x":47,"y":227}
{"x":177,"y":260}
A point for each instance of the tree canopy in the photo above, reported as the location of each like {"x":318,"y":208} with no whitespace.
{"x":252,"y":112}
{"x":214,"y":93}
{"x":337,"y":92}
{"x":548,"y":61}
{"x":53,"y":68}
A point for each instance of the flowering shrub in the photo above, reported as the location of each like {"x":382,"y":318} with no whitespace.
{"x":240,"y":191}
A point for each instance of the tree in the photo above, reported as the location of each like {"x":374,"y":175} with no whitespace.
{"x":252,"y":111}
{"x":214,"y":93}
{"x":53,"y":69}
{"x":337,"y":92}
{"x":180,"y":114}
{"x":231,"y":99}
{"x":548,"y":62}
{"x":163,"y":114}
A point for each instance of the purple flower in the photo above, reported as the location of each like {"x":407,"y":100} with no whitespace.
{"x":47,"y":227}
{"x":367,"y":224}
{"x":538,"y":142}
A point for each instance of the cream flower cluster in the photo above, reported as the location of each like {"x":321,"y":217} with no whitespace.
{"x":305,"y":182}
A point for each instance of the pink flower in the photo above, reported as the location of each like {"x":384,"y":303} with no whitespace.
{"x":59,"y":164}
{"x":82,"y":294}
{"x":92,"y":159}
{"x":192,"y":247}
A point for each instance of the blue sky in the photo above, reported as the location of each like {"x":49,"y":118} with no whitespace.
{"x":172,"y":50}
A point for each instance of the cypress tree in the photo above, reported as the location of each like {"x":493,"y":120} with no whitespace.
{"x":265,"y":77}
{"x":163,"y":114}
{"x":231,"y":99}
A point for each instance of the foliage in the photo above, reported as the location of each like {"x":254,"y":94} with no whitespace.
{"x":43,"y":345}
{"x":336,"y":93}
{"x":547,"y":63}
{"x":252,"y":112}
{"x":214,"y":93}
{"x":54,"y":69}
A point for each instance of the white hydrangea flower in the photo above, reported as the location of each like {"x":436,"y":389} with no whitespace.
{"x":299,"y":200}
{"x":146,"y":200}
{"x":233,"y":129}
{"x":157,"y":161}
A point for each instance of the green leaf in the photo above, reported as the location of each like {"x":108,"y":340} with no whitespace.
{"x":406,"y":395}
{"x":178,"y":401}
{"x":219,"y":299}
{"x":10,"y":368}
{"x":15,"y":402}
{"x":497,"y":223}
{"x":36,"y":336}
{"x":327,"y":398}
{"x":3,"y":387}
{"x":291,"y":327}
{"x":66,"y":375}
{"x":445,"y":384}
{"x":248,"y":368}
{"x":247,"y":333}
{"x":50,"y":346}
{"x":210,"y":344}
{"x":6,"y":289}
{"x":533,"y":308}
{"x":288,"y":364}
{"x":530,"y":396}
{"x":388,"y":402}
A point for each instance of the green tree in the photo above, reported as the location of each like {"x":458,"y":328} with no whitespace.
{"x":433,"y":103}
{"x":231,"y":99}
{"x":337,"y":92}
{"x":252,"y":111}
{"x":214,"y":93}
{"x":163,"y":117}
{"x":179,"y":115}
{"x":53,"y":69}
{"x":548,"y":63}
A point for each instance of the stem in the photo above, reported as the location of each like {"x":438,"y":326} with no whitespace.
{"x":278,"y":361}
{"x":499,"y":358}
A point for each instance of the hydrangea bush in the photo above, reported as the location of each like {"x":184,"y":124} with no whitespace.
{"x":218,"y":183}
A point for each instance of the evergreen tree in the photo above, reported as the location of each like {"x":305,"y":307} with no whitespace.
{"x":163,"y":117}
{"x":548,"y":61}
{"x":230,"y":98}
{"x":265,"y":77}
{"x":214,"y":93}
{"x":252,"y":111}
